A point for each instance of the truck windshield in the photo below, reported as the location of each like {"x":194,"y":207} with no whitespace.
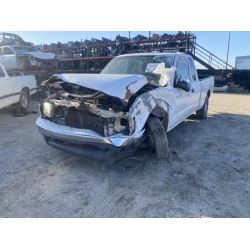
{"x":139,"y":65}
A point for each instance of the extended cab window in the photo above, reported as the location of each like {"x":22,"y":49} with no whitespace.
{"x":17,"y":37}
{"x":193,"y":71}
{"x":7,"y":51}
{"x":182,"y":70}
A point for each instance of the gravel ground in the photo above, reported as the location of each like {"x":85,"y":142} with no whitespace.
{"x":206,"y":175}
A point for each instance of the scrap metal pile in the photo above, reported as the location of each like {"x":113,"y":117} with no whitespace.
{"x":118,"y":41}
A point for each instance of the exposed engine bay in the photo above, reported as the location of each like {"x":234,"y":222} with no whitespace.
{"x":104,"y":115}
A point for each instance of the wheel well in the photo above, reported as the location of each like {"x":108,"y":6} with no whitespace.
{"x":24,"y":58}
{"x":162,"y":115}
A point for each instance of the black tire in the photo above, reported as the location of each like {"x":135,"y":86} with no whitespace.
{"x":202,"y":113}
{"x":23,"y":100}
{"x":156,"y":137}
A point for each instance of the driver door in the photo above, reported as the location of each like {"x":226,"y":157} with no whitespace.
{"x":183,"y":99}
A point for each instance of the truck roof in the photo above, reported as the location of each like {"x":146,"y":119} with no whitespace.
{"x":9,"y":34}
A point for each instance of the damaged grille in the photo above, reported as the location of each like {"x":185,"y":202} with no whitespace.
{"x":85,"y":120}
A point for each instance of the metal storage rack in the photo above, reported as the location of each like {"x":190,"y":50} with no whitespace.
{"x":92,"y":58}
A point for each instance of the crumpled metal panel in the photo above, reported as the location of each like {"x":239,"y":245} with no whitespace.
{"x":145,"y":103}
{"x":121,"y":86}
{"x":35,"y":53}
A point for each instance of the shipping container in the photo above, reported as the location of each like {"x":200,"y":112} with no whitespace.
{"x":242,"y":63}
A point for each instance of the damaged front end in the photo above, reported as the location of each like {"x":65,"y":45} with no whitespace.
{"x":28,"y":62}
{"x":89,"y":122}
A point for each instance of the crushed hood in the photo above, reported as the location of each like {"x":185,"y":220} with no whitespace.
{"x":121,"y":86}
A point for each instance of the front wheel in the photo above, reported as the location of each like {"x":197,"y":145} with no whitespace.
{"x":156,"y":139}
{"x":202,"y":113}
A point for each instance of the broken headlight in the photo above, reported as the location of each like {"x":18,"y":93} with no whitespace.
{"x":48,"y":109}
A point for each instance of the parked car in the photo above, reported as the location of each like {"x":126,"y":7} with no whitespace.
{"x":136,"y":98}
{"x":16,"y":88}
{"x":12,"y":39}
{"x":23,"y":57}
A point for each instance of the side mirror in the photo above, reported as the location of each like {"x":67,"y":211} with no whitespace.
{"x":183,"y":85}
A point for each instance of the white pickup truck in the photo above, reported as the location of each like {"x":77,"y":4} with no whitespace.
{"x":16,"y":88}
{"x":136,"y":98}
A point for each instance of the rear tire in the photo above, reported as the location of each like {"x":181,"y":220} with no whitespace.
{"x":23,"y":100}
{"x":156,"y":137}
{"x":202,"y":113}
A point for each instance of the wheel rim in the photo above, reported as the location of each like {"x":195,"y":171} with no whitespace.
{"x":24,"y":101}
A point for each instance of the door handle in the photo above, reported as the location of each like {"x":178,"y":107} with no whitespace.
{"x":192,"y":90}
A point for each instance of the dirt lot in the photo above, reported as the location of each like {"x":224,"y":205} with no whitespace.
{"x":207,"y":174}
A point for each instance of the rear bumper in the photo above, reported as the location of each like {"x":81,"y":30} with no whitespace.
{"x":84,"y":142}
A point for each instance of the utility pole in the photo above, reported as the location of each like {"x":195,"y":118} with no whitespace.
{"x":228,"y":46}
{"x":149,"y":39}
